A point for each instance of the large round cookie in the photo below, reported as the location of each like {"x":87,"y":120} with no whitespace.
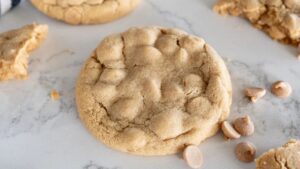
{"x":152,"y":90}
{"x":85,"y":11}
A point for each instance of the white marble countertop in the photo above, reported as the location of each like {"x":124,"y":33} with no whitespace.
{"x":36,"y":132}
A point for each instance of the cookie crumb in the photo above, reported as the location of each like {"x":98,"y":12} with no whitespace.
{"x":55,"y":95}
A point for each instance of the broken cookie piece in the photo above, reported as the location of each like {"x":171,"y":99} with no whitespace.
{"x":285,"y":157}
{"x":15,"y":47}
{"x":278,"y":18}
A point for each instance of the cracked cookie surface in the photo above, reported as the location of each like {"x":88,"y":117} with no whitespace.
{"x":280,"y":19}
{"x":285,"y":157}
{"x":153,"y":90}
{"x":85,"y":11}
{"x":15,"y":47}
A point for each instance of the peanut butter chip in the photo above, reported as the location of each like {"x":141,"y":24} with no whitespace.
{"x":255,"y":93}
{"x":244,"y":126}
{"x":281,"y":89}
{"x":245,"y":152}
{"x":193,"y":156}
{"x":229,"y":131}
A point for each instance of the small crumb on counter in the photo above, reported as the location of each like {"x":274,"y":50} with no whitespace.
{"x":55,"y":95}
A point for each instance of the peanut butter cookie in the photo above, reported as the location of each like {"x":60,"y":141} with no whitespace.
{"x":285,"y":157}
{"x":279,"y":18}
{"x":153,"y":90}
{"x":85,"y":11}
{"x":15,"y":46}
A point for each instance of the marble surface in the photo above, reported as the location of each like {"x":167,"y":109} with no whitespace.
{"x":36,"y":132}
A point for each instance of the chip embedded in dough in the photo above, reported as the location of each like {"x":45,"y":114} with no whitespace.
{"x":280,"y":19}
{"x":141,"y":96}
{"x":285,"y":157}
{"x":78,"y":12}
{"x":15,"y":47}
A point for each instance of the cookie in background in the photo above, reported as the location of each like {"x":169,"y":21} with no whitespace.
{"x":86,"y":11}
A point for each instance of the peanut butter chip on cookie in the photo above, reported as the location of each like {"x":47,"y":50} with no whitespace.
{"x":281,"y":89}
{"x":172,"y":91}
{"x":114,"y":76}
{"x":193,"y":156}
{"x":125,"y":109}
{"x":145,"y":55}
{"x":167,"y":124}
{"x":134,"y":137}
{"x":152,"y":90}
{"x":245,"y":152}
{"x":167,"y":44}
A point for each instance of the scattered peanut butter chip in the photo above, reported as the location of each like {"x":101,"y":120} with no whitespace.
{"x":229,"y":131}
{"x":244,"y":126}
{"x":55,"y":95}
{"x":255,"y":93}
{"x":281,"y":89}
{"x":193,"y":156}
{"x":245,"y":152}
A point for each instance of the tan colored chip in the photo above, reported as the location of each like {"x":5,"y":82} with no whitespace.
{"x":170,"y":88}
{"x":244,"y":126}
{"x":228,"y":131}
{"x":15,"y":47}
{"x":245,"y":152}
{"x":193,"y":156}
{"x":86,"y":11}
{"x":255,"y":93}
{"x":281,"y":89}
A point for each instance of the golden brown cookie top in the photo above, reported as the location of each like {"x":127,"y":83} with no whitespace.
{"x":285,"y":157}
{"x":157,"y":88}
{"x":86,"y":11}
